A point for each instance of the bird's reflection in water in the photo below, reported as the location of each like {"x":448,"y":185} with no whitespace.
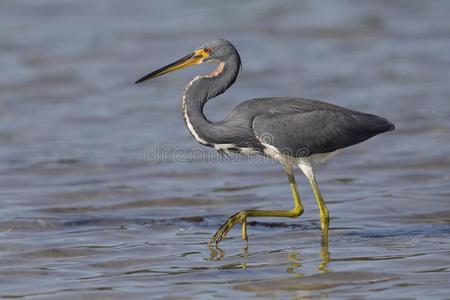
{"x":216,"y":253}
{"x":245,"y":256}
{"x":325,"y":258}
{"x":294,"y":262}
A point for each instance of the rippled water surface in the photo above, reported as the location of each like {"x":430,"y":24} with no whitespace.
{"x":95,"y":204}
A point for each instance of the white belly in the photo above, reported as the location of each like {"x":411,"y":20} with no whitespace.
{"x":285,"y":159}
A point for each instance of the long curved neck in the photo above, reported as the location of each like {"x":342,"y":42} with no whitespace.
{"x":198,"y":92}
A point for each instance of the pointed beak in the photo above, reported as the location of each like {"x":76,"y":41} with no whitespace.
{"x":191,"y":59}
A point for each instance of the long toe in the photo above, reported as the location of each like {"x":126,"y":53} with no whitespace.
{"x":226,"y":227}
{"x":220,"y":234}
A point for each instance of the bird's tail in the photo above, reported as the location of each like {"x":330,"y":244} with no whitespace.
{"x":376,"y":124}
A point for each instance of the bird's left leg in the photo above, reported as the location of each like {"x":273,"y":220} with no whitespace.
{"x":241,"y":217}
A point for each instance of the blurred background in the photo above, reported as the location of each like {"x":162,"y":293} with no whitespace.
{"x":94,"y":205}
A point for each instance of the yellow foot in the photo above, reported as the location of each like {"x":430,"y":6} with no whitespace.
{"x":325,"y":224}
{"x":244,"y":230}
{"x":240,"y":217}
{"x":324,"y":240}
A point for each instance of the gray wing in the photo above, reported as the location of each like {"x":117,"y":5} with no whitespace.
{"x":318,"y":131}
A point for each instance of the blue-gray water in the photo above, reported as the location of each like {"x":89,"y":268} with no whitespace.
{"x":89,"y":211}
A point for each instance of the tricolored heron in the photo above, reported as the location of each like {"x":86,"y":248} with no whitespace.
{"x":293,"y":131}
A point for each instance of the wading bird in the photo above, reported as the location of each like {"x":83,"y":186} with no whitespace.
{"x":293,"y":131}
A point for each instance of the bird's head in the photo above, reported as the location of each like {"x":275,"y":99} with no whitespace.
{"x":213,"y":51}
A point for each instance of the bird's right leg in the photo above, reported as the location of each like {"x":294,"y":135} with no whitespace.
{"x":307,"y":169}
{"x":241,"y":217}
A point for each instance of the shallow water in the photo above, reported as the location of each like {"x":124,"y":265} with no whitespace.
{"x":104,"y":194}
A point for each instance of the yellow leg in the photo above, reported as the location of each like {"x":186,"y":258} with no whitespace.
{"x":241,"y":217}
{"x":324,"y":216}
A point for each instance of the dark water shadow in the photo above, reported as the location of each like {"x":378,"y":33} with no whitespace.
{"x":405,"y":231}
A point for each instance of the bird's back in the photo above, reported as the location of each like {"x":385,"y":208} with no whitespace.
{"x":284,"y":105}
{"x":294,"y":125}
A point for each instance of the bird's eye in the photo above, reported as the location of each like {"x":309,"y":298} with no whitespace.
{"x":207,"y":50}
